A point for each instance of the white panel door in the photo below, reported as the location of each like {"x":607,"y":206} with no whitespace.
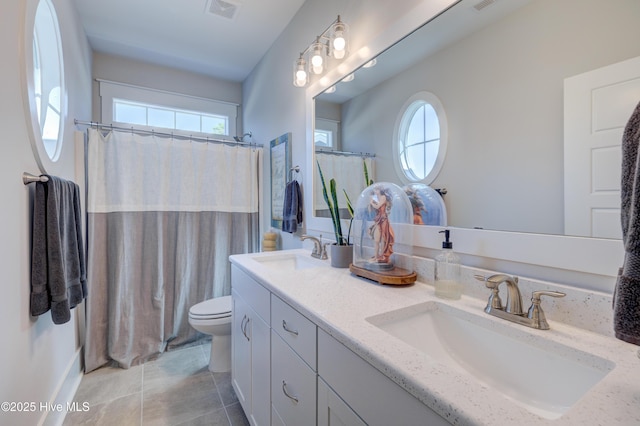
{"x":597,"y":106}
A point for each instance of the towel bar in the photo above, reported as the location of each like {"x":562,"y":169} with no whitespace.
{"x":28,"y":178}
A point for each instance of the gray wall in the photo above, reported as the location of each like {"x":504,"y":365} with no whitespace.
{"x":131,"y":71}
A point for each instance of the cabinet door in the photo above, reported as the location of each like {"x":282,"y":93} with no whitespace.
{"x":376,"y":398}
{"x":276,"y":420}
{"x":260,"y":371}
{"x":241,"y":353}
{"x":332,"y":410}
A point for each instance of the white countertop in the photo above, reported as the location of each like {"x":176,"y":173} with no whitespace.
{"x":339,"y":303}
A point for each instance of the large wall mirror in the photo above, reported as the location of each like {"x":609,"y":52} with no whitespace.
{"x":499,"y":72}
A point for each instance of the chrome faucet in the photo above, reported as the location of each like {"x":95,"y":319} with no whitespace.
{"x":534,"y":317}
{"x":319,"y":251}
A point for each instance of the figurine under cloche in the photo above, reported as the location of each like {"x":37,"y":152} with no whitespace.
{"x":427,"y":205}
{"x":381,"y":228}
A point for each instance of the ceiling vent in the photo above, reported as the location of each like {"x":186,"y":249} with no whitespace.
{"x":483,"y":4}
{"x":223,"y":8}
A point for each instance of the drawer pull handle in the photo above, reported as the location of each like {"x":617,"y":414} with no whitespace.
{"x":284,"y":325}
{"x":284,"y":389}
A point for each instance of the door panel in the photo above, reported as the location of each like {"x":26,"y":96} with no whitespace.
{"x":597,"y":106}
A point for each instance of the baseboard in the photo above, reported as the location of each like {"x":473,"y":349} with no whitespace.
{"x":65,"y":392}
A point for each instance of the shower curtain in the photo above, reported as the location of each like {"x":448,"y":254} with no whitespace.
{"x":163,"y":217}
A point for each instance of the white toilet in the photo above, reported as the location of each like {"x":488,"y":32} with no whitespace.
{"x":213,"y":317}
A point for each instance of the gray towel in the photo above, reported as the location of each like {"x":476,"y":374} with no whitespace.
{"x":58,"y":274}
{"x":292,"y":211}
{"x":626,"y":299}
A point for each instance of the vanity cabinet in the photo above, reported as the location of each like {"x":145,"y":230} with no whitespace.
{"x":288,"y":372}
{"x":251,"y":347}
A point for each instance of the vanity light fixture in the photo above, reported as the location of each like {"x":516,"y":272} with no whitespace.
{"x":333,"y":42}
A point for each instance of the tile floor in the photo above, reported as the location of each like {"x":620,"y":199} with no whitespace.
{"x":174,"y":389}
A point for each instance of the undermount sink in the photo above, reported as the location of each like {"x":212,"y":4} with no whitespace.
{"x":289,"y":261}
{"x":543,"y":376}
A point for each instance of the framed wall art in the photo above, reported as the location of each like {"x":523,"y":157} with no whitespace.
{"x":280,"y":166}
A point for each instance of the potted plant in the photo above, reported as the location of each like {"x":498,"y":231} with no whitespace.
{"x":341,"y":250}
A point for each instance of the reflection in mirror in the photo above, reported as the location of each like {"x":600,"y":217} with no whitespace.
{"x":352,"y":173}
{"x":427,"y":204}
{"x":499,"y":73}
{"x":351,"y":170}
{"x":326,"y":135}
{"x":420,"y":138}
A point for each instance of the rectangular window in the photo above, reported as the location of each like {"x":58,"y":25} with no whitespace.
{"x":158,"y":117}
{"x":154,"y":109}
{"x":146,"y":115}
{"x":326,"y":134}
{"x":129,"y":113}
{"x":323,"y":138}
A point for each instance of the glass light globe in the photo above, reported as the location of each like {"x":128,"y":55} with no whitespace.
{"x":316,"y":60}
{"x":339,"y":43}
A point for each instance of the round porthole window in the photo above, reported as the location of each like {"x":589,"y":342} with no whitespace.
{"x":420,"y":138}
{"x":44,"y":75}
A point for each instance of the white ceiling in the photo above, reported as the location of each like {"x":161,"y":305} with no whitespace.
{"x":183,"y":34}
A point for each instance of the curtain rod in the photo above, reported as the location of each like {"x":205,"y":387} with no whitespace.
{"x":346,"y":153}
{"x":165,"y":134}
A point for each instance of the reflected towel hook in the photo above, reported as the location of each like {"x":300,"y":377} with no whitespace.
{"x":293,"y":169}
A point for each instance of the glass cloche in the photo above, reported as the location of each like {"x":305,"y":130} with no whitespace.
{"x":382,"y":235}
{"x":427,"y":205}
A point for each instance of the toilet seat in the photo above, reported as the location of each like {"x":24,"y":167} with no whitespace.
{"x":216,"y":308}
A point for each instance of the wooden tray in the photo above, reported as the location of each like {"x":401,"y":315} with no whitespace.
{"x":396,"y":276}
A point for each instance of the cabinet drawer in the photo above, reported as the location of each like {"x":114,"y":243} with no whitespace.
{"x":256,"y":296}
{"x":293,"y":385}
{"x":295,"y":329}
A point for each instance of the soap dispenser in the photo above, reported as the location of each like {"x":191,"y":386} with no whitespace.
{"x":448,"y":271}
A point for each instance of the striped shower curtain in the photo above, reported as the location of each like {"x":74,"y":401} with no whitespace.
{"x":163,"y":217}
